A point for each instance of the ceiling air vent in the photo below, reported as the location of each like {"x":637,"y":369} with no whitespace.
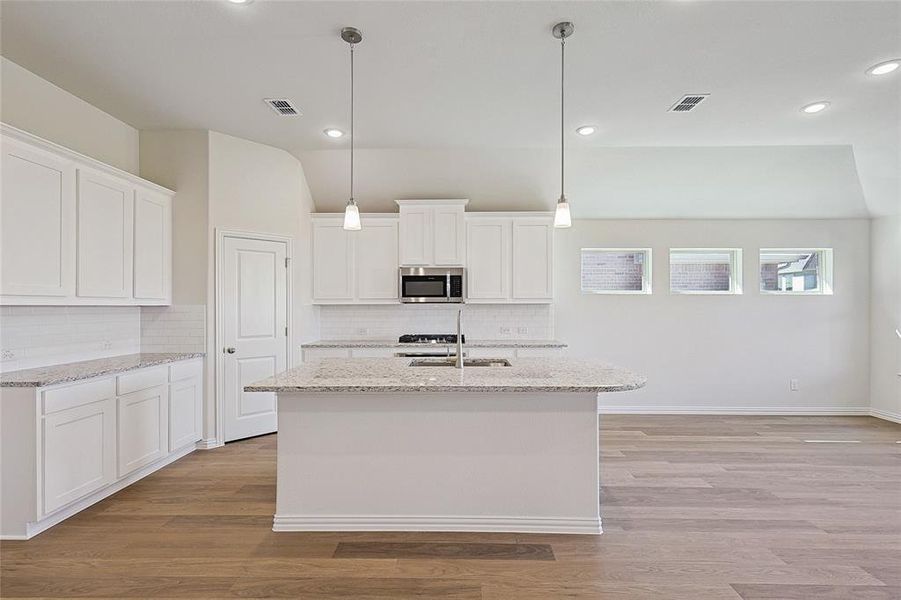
{"x":282,"y":106}
{"x":688,"y":102}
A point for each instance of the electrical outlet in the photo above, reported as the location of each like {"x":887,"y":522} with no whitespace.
{"x":8,"y":354}
{"x":106,"y":345}
{"x":362,"y":331}
{"x":505,"y":330}
{"x":795,"y":385}
{"x":522,"y":330}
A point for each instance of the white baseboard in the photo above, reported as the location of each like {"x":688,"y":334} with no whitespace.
{"x":36,"y":527}
{"x":209,"y":444}
{"x":736,"y":410}
{"x":435,"y":523}
{"x":888,"y":415}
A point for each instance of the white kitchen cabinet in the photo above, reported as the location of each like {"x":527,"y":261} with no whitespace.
{"x":152,"y":246}
{"x":376,"y":269}
{"x":78,"y":232}
{"x":533,"y":259}
{"x":79,"y":454}
{"x":488,"y":257}
{"x":143,"y":425}
{"x":449,"y":230}
{"x":314,"y":354}
{"x":37,"y":215}
{"x":333,"y":265}
{"x":105,"y":216}
{"x":510,"y":258}
{"x":432,"y":232}
{"x":185,"y":404}
{"x":373,"y":352}
{"x":67,"y":446}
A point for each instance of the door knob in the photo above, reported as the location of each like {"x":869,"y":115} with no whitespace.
{"x":230,"y":350}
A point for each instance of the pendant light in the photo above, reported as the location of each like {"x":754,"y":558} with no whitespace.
{"x":562,"y":217}
{"x":352,"y":36}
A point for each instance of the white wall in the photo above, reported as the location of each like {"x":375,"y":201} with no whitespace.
{"x":885,"y":317}
{"x":262,"y":189}
{"x":39,"y":107}
{"x":724,"y":352}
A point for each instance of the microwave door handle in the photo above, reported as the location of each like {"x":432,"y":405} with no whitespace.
{"x":447,"y":288}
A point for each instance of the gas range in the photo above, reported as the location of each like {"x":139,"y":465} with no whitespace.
{"x":430,"y":338}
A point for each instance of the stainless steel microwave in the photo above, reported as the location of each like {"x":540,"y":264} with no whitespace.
{"x":432,"y":284}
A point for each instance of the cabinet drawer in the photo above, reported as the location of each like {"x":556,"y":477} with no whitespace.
{"x":142,"y":379}
{"x":185,"y":370}
{"x":78,"y":394}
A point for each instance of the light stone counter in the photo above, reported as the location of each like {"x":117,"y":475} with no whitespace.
{"x":86,"y":369}
{"x":469,"y":344}
{"x":396,"y":375}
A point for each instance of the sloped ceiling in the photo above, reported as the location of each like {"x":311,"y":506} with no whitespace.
{"x":461,"y":98}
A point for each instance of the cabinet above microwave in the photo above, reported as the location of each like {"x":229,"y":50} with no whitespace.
{"x":432,"y":233}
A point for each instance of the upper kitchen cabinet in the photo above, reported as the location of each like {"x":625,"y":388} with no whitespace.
{"x":358,"y":267}
{"x":105,"y":236}
{"x":510,"y":258}
{"x":432,"y":232}
{"x":80,"y":232}
{"x":152,"y":247}
{"x":37,"y":213}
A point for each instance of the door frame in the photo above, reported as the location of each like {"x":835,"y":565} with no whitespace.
{"x":219,"y":369}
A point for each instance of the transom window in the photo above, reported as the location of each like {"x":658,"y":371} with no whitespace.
{"x":796,"y":271}
{"x":705,"y":270}
{"x":616,"y":270}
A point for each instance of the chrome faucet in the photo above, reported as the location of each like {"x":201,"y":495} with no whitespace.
{"x":459,"y":362}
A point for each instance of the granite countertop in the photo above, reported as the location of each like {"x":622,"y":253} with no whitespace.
{"x":396,"y":375}
{"x":86,"y":369}
{"x":468,"y":344}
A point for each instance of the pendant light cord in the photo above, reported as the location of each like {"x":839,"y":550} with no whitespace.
{"x":352,"y":124}
{"x":562,"y":108}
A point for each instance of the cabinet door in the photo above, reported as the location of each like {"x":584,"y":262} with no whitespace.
{"x":375,"y":251}
{"x":152,"y":246}
{"x":416,"y":235}
{"x":332,"y":262}
{"x":488,"y":248}
{"x":533,"y":259}
{"x":105,"y":235}
{"x":37,"y":214}
{"x":185,"y":412}
{"x":143,"y":428}
{"x":79,"y":452}
{"x":449,"y":234}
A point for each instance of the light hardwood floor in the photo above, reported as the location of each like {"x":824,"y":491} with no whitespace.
{"x":693,"y":508}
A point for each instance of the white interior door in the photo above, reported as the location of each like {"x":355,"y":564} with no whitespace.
{"x":254,"y":326}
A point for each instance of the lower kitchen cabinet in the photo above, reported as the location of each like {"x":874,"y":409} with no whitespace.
{"x":64,"y":447}
{"x":185,"y":412}
{"x":79,"y":452}
{"x":143,"y":428}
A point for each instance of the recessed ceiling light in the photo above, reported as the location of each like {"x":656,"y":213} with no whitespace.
{"x":240,"y":1}
{"x":884,"y":68}
{"x":586,"y":129}
{"x":333,"y":133}
{"x":815,"y":107}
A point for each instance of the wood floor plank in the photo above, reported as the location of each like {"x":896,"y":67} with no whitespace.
{"x":479,"y":551}
{"x":699,"y":508}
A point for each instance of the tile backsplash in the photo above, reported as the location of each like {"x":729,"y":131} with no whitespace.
{"x":480,"y":321}
{"x":36,"y":336}
{"x":179,"y":328}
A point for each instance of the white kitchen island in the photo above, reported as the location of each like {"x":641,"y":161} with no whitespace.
{"x":374,"y":444}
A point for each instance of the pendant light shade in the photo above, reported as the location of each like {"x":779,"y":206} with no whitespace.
{"x":352,"y":217}
{"x":562,"y":217}
{"x":352,"y":36}
{"x":561,"y":214}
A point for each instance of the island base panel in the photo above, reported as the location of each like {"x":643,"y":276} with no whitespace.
{"x":450,"y":461}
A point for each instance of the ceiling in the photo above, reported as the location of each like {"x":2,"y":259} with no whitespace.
{"x":443,"y":82}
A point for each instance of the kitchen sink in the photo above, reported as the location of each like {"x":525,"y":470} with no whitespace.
{"x":467,"y":362}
